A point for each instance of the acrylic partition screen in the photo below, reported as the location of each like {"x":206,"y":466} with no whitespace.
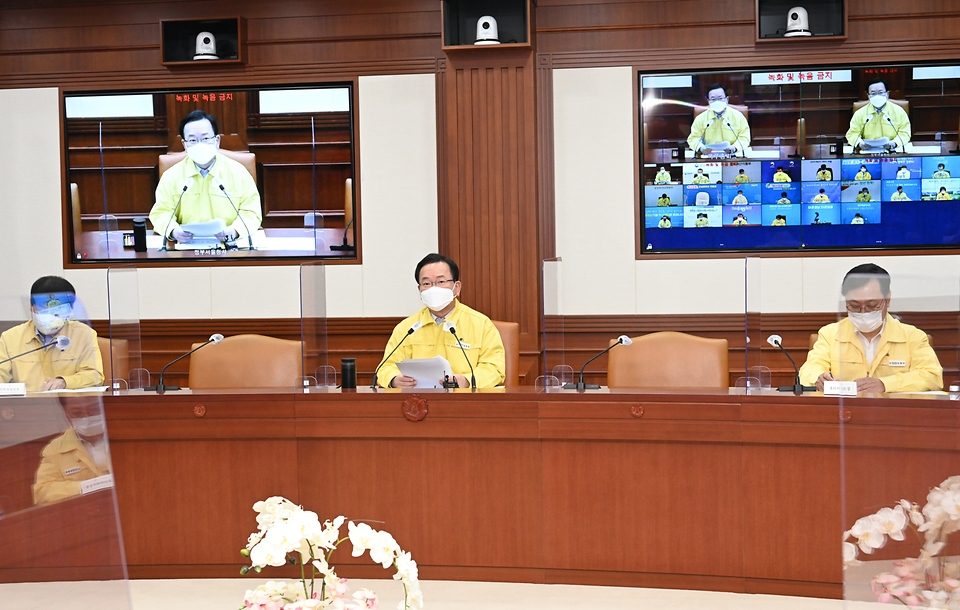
{"x":556,"y":369}
{"x":59,"y":527}
{"x":281,"y":187}
{"x":900,"y":463}
{"x":317,"y":370}
{"x":121,"y":348}
{"x":756,"y":364}
{"x":800,"y":159}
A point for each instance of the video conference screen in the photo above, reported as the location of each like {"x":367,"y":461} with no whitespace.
{"x":290,"y":193}
{"x":814,"y":159}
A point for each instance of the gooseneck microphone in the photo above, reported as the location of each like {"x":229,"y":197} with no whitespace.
{"x":223,"y":189}
{"x":176,"y":209}
{"x":412,"y":330}
{"x":580,"y":385}
{"x":61,"y":343}
{"x":449,"y":327}
{"x":863,"y":129}
{"x":896,"y":134}
{"x":160,"y":388}
{"x":345,"y":246}
{"x":796,"y":388}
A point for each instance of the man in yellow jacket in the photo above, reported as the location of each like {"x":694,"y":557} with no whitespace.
{"x":204,"y":186}
{"x":721,"y":128}
{"x":870,"y":346}
{"x":438,"y":278}
{"x":77,"y":462}
{"x":880,"y":118}
{"x":41,"y":364}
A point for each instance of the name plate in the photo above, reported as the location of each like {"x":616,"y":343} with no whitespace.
{"x":839,"y":388}
{"x":13,"y":389}
{"x":96,"y":484}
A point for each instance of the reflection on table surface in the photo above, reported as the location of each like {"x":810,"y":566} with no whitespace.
{"x":294,"y":243}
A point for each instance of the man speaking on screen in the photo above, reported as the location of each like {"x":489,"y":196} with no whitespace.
{"x":879,"y":119}
{"x":204,"y":186}
{"x":721,"y":129}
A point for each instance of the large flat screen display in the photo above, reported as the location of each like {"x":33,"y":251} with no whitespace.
{"x":281,"y":186}
{"x":815,"y":159}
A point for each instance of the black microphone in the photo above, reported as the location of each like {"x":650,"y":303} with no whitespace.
{"x":345,"y":245}
{"x":160,"y":388}
{"x":174,"y":214}
{"x":453,"y":331}
{"x":412,"y":330}
{"x":580,"y":385}
{"x":796,"y":388}
{"x":223,"y":189}
{"x":736,"y":140}
{"x":60,"y":342}
{"x":896,"y":134}
{"x":860,"y":140}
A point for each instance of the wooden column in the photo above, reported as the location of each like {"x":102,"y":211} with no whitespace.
{"x":489,"y":221}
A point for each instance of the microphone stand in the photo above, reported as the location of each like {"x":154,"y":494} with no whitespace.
{"x":473,"y":379}
{"x":223,"y":189}
{"x":36,"y":349}
{"x":797,"y":388}
{"x":580,"y":385}
{"x":173,"y":215}
{"x":160,"y":388}
{"x":373,"y":385}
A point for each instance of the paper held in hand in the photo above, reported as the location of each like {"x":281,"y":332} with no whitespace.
{"x":427,"y":371}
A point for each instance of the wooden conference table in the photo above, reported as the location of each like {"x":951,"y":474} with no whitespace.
{"x":703,"y":490}
{"x":700,"y":490}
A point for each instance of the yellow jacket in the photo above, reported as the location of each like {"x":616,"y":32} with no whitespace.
{"x":742,"y":179}
{"x":64,"y":464}
{"x":879,"y":126}
{"x":944,"y":196}
{"x":662,"y":178}
{"x":479,"y":337}
{"x":821,"y":199}
{"x":203,"y":201}
{"x":899,"y":196}
{"x":824,"y":174}
{"x":701,"y":179}
{"x":80,"y":365}
{"x":708,"y":128}
{"x":839,"y":351}
{"x":863,"y":175}
{"x":781,"y":177}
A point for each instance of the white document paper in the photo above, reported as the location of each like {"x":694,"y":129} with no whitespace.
{"x":205,"y":229}
{"x":427,"y":371}
{"x":99,"y":389}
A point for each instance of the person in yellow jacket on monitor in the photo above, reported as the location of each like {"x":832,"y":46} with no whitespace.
{"x":943,"y":195}
{"x":880,"y":119}
{"x":781,"y":176}
{"x":721,"y":129}
{"x":870,"y":346}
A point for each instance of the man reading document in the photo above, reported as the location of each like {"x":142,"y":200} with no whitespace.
{"x":721,"y":129}
{"x":879,"y":119}
{"x":205,"y":186}
{"x":870,"y":346}
{"x":438,"y":279}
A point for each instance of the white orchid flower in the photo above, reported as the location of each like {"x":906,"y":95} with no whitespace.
{"x":362,"y":536}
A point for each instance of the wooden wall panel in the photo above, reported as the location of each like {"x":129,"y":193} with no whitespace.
{"x":570,"y":339}
{"x":488,"y":197}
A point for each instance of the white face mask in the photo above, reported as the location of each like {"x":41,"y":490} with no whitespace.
{"x":866,"y":322}
{"x":718,"y":106}
{"x":201,"y":153}
{"x":878,"y":100}
{"x":47,"y":324}
{"x":88,"y":426}
{"x":436,"y":298}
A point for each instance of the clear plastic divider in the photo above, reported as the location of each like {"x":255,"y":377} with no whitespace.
{"x":59,"y":526}
{"x":122,"y":363}
{"x":555,"y":366}
{"x":313,"y":327}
